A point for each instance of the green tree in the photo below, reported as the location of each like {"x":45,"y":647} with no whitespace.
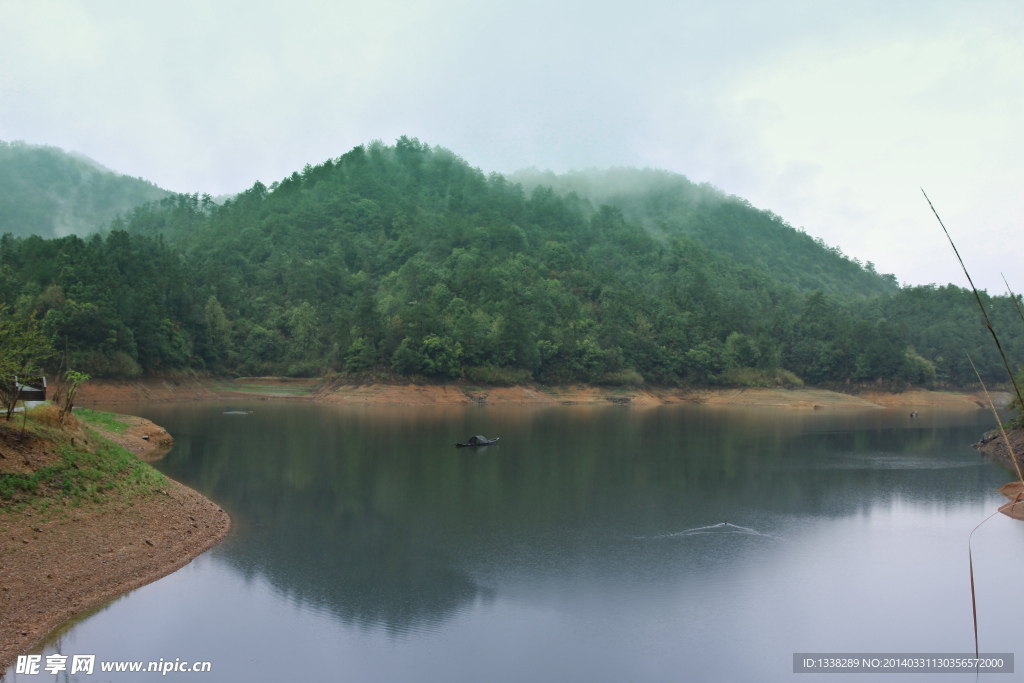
{"x":407,"y":360}
{"x":360,"y":356}
{"x":23,"y":348}
{"x":740,"y":351}
{"x":69,"y":382}
{"x":704,"y":362}
{"x":219,"y":330}
{"x":441,"y":356}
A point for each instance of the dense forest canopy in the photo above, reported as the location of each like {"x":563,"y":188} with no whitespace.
{"x":46,"y":191}
{"x":406,"y":260}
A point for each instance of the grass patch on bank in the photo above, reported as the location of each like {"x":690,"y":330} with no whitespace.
{"x":80,"y":467}
{"x":98,"y":418}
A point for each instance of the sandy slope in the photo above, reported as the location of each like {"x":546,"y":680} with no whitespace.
{"x":77,"y":558}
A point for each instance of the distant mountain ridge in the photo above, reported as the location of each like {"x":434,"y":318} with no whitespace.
{"x":49,"y":192}
{"x":405,"y":261}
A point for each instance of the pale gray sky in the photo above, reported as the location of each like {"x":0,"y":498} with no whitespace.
{"x":831,"y":114}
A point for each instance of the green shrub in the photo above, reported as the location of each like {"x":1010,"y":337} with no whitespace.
{"x":752,"y":377}
{"x":502,"y":377}
{"x":304,"y":369}
{"x":622,"y":378}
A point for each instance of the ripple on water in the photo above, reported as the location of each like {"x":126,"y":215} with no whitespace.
{"x":722,"y":528}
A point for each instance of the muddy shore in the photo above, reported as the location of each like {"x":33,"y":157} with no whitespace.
{"x":993,"y":446}
{"x":383,"y":393}
{"x":69,"y":560}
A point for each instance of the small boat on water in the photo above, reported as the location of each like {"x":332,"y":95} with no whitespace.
{"x":235,"y":411}
{"x":477,"y":441}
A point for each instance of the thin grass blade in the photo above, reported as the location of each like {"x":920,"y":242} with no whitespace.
{"x":970,"y":559}
{"x":1014,"y":297}
{"x":974,"y":603}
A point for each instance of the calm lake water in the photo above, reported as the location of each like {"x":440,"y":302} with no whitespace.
{"x":590,"y":545}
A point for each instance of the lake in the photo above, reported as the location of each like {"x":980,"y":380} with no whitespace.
{"x":591,"y":544}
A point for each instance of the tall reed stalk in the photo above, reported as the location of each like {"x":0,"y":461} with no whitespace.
{"x":1014,"y":297}
{"x":1020,"y":401}
{"x":988,"y":321}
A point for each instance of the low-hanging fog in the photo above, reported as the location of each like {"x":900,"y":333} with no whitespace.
{"x":832,"y":115}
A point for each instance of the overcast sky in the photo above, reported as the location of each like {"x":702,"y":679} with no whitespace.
{"x":833,"y":115}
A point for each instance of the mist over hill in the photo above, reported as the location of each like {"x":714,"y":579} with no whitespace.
{"x":52,"y":193}
{"x":669,"y":204}
{"x":406,"y":261}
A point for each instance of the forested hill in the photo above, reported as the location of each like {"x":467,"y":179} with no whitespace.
{"x":405,"y":260}
{"x":669,"y":204}
{"x":49,"y":192}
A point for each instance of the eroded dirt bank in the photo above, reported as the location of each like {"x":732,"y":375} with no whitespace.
{"x":162,"y":390}
{"x":994,"y":447}
{"x":426,"y":394}
{"x":67,"y":559}
{"x":144,"y":390}
{"x":146,"y":440}
{"x":384,"y":393}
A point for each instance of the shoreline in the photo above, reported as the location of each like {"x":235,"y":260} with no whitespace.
{"x":52,"y":571}
{"x":993,"y":447}
{"x":348,"y":392}
{"x":1014,"y":492}
{"x":65,"y":562}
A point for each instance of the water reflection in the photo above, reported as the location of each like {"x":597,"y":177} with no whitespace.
{"x":598,"y":544}
{"x":373,"y":516}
